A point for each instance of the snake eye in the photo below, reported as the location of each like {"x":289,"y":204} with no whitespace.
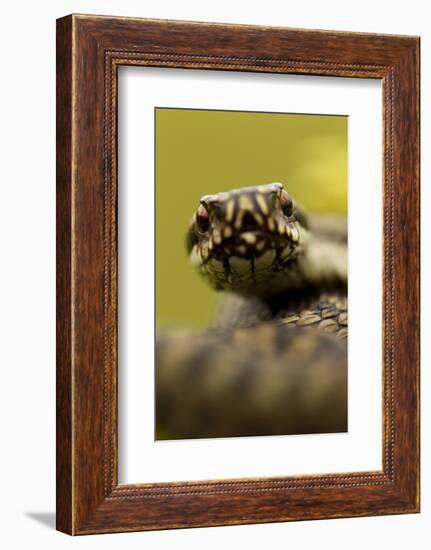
{"x":286,"y":203}
{"x":202,"y":219}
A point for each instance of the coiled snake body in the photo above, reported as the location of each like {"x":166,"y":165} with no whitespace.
{"x":276,"y":360}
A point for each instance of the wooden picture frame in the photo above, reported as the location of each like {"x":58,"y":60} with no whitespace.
{"x":89,"y":51}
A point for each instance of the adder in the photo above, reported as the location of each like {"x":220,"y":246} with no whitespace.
{"x":275,"y":361}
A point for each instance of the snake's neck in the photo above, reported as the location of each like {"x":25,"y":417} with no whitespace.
{"x":322,"y":263}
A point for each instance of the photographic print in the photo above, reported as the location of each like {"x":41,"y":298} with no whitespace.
{"x":251,"y":273}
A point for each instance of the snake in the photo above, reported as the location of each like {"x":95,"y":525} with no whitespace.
{"x":274,"y":362}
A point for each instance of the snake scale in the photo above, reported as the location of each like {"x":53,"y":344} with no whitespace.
{"x":275,"y":361}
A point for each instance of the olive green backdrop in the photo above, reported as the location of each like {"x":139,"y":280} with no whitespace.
{"x":200,"y":152}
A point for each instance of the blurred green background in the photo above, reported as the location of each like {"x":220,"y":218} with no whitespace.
{"x":200,"y":152}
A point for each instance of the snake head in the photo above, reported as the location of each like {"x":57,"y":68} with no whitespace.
{"x":242,"y":238}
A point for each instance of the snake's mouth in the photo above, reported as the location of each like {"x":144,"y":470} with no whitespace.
{"x":244,"y":260}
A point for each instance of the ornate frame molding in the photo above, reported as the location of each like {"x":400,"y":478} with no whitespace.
{"x":90,"y":49}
